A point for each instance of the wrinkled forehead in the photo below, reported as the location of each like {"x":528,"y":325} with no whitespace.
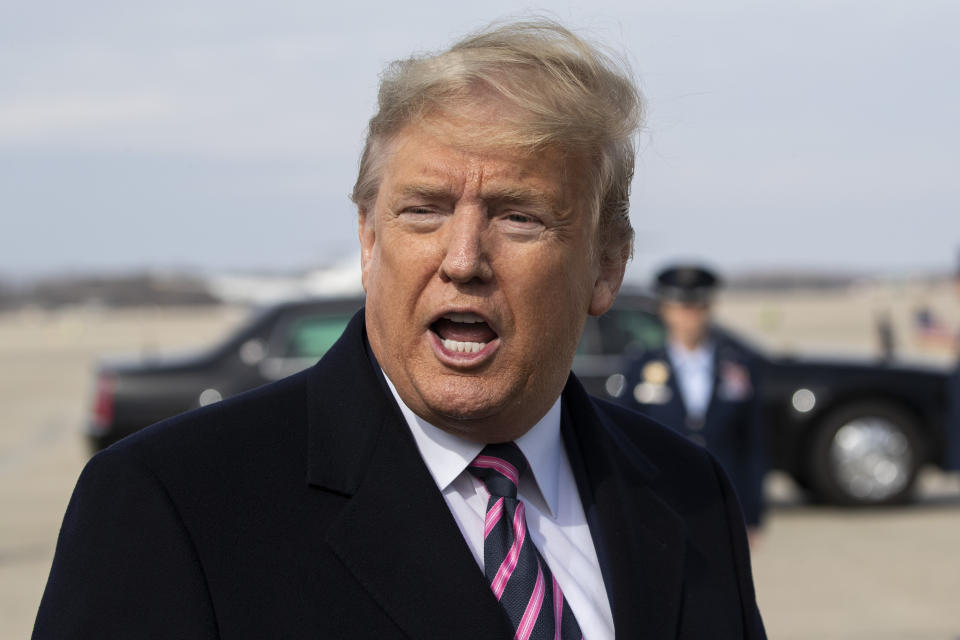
{"x":451,"y":158}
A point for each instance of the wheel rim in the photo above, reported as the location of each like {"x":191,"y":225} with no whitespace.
{"x":871,"y":458}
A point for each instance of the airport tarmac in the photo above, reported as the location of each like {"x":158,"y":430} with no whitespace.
{"x":820,"y":572}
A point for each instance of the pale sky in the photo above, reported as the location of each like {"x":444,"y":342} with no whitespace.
{"x":225,"y":135}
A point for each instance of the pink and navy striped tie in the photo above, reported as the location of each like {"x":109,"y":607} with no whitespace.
{"x":518,"y":575}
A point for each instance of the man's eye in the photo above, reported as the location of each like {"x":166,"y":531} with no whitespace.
{"x":419,"y":210}
{"x":520,"y":218}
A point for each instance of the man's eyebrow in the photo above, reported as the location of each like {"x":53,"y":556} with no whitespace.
{"x":499,"y":194}
{"x":520,"y":196}
{"x":428,"y":191}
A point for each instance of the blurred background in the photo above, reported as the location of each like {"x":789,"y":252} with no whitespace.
{"x":168,"y":169}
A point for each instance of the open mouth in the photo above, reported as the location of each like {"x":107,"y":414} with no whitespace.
{"x":463,"y":332}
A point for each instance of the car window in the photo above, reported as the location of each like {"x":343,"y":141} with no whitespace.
{"x":630,"y":331}
{"x":312,"y":336}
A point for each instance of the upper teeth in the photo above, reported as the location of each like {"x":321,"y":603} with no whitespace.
{"x":466,"y":318}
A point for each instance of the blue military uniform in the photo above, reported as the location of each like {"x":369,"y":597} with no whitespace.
{"x":709,"y":395}
{"x":732,"y":426}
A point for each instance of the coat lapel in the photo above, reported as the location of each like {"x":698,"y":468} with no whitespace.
{"x":639,"y":539}
{"x":395,"y":534}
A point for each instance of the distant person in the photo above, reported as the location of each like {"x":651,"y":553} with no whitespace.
{"x":702,"y":385}
{"x":886,"y":341}
{"x":440,"y":473}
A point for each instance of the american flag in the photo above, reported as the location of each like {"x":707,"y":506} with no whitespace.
{"x":928,"y":325}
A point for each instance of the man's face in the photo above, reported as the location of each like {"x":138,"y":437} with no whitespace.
{"x":686,"y":322}
{"x":479,"y":271}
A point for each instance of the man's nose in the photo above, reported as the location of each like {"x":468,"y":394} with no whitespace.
{"x":465,"y":253}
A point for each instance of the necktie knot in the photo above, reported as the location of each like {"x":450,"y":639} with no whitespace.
{"x":500,"y":467}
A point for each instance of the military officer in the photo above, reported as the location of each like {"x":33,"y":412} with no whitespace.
{"x":701,"y":384}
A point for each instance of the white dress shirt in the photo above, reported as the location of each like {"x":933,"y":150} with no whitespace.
{"x":694,"y":371}
{"x":555,"y":518}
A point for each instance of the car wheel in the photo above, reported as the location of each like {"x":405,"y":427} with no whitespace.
{"x":865,"y":454}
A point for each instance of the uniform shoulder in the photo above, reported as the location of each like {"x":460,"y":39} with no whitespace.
{"x":728,"y":349}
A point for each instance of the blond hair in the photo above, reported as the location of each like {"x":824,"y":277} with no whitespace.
{"x":567,"y":93}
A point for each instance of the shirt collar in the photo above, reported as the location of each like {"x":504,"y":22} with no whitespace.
{"x":447,"y":455}
{"x":543,"y":448}
{"x":681,"y":356}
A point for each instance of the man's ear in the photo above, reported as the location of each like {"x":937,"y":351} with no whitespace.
{"x":367,"y":234}
{"x":608,"y":281}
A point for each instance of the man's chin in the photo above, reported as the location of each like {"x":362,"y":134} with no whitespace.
{"x":473,"y":418}
{"x":465,"y":412}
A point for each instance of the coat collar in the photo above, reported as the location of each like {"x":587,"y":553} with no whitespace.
{"x":398,"y":538}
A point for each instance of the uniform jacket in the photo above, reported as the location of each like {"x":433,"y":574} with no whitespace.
{"x":303,"y":509}
{"x":732,"y":428}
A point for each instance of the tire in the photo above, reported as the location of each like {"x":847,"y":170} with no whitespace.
{"x":864,"y":454}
